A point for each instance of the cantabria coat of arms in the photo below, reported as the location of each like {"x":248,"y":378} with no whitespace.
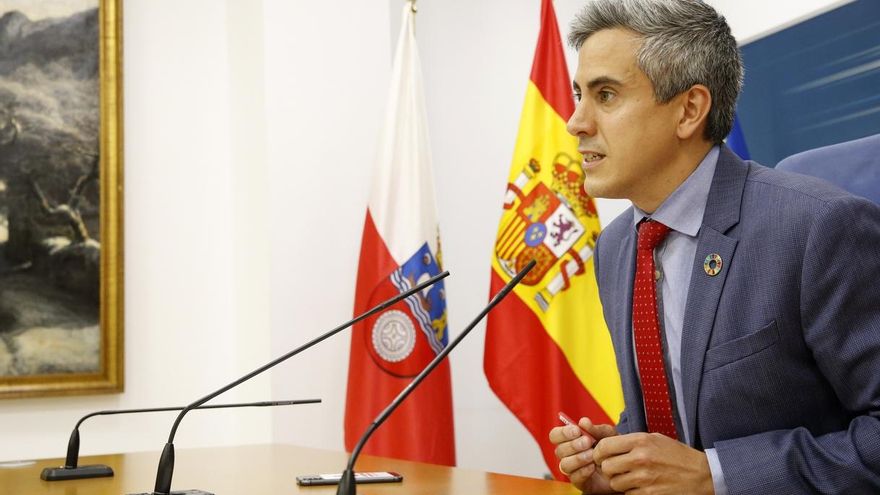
{"x":555,"y":224}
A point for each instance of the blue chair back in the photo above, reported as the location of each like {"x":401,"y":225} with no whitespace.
{"x":852,"y":165}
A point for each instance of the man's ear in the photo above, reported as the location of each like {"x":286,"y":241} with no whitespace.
{"x":695,"y":105}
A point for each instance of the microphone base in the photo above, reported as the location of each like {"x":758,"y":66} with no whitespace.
{"x":77,"y":473}
{"x":177,"y":492}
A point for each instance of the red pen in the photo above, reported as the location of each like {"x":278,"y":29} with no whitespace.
{"x":568,"y":421}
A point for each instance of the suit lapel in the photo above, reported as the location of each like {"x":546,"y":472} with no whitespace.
{"x":704,"y":293}
{"x":699,"y":316}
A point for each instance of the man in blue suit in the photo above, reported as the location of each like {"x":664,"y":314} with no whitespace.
{"x":743,"y":302}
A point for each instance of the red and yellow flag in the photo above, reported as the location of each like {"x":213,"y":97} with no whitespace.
{"x":548,"y":349}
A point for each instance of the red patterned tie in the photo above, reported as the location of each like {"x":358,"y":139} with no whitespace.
{"x":646,"y":328}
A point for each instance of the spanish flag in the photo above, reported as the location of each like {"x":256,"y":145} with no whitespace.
{"x":548,"y":349}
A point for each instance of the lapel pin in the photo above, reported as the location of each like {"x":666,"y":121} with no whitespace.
{"x":712,"y":265}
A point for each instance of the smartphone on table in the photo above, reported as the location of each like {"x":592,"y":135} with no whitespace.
{"x":359,"y":477}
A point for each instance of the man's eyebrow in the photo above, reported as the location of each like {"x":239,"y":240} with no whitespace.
{"x":599,"y":81}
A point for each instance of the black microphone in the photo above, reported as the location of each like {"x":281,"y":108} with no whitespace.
{"x":166,"y":462}
{"x":71,"y":470}
{"x":347,"y":485}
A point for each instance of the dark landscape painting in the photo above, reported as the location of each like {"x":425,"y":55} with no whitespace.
{"x":50,"y":189}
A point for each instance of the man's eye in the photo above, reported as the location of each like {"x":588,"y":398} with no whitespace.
{"x":576,"y":96}
{"x":605,"y":96}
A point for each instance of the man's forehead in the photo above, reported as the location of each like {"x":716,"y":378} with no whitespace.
{"x":608,"y":53}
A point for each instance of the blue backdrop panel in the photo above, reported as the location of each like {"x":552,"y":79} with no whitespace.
{"x":813,"y":84}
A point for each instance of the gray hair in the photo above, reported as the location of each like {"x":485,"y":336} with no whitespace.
{"x":685,"y":42}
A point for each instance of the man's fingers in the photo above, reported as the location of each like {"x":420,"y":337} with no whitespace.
{"x":626,"y":482}
{"x":573,"y":447}
{"x":572,"y":463}
{"x":564,"y":433}
{"x":616,"y":464}
{"x":616,"y":445}
{"x":597,"y":431}
{"x":580,"y":476}
{"x":641,"y":463}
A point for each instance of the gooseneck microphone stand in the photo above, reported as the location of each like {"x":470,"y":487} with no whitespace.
{"x":71,"y":470}
{"x":347,"y":485}
{"x":166,"y":461}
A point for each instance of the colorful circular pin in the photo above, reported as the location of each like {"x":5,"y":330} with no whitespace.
{"x":713,"y":264}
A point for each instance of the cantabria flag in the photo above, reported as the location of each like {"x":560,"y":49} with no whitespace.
{"x":548,"y":349}
{"x":400,"y":248}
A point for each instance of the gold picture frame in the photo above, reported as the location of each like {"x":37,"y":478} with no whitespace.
{"x":103,"y":371}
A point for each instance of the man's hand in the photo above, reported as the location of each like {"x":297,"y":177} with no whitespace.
{"x":652,"y":463}
{"x":575,"y":453}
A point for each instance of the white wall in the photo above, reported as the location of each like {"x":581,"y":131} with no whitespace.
{"x":250,"y":135}
{"x":328,"y":67}
{"x":753,"y":19}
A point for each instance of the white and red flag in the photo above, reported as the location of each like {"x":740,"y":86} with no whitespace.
{"x":400,"y":248}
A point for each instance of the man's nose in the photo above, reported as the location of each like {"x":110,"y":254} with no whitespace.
{"x":581,"y":121}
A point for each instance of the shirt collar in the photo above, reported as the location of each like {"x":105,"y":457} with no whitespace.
{"x":683,"y":210}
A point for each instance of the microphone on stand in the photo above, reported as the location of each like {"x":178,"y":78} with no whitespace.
{"x":347,"y":485}
{"x":165,"y":470}
{"x":71,"y":470}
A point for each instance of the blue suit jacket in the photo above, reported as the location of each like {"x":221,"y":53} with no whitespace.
{"x":781,"y":350}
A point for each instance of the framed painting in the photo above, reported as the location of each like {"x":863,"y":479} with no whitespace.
{"x":61,"y":233}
